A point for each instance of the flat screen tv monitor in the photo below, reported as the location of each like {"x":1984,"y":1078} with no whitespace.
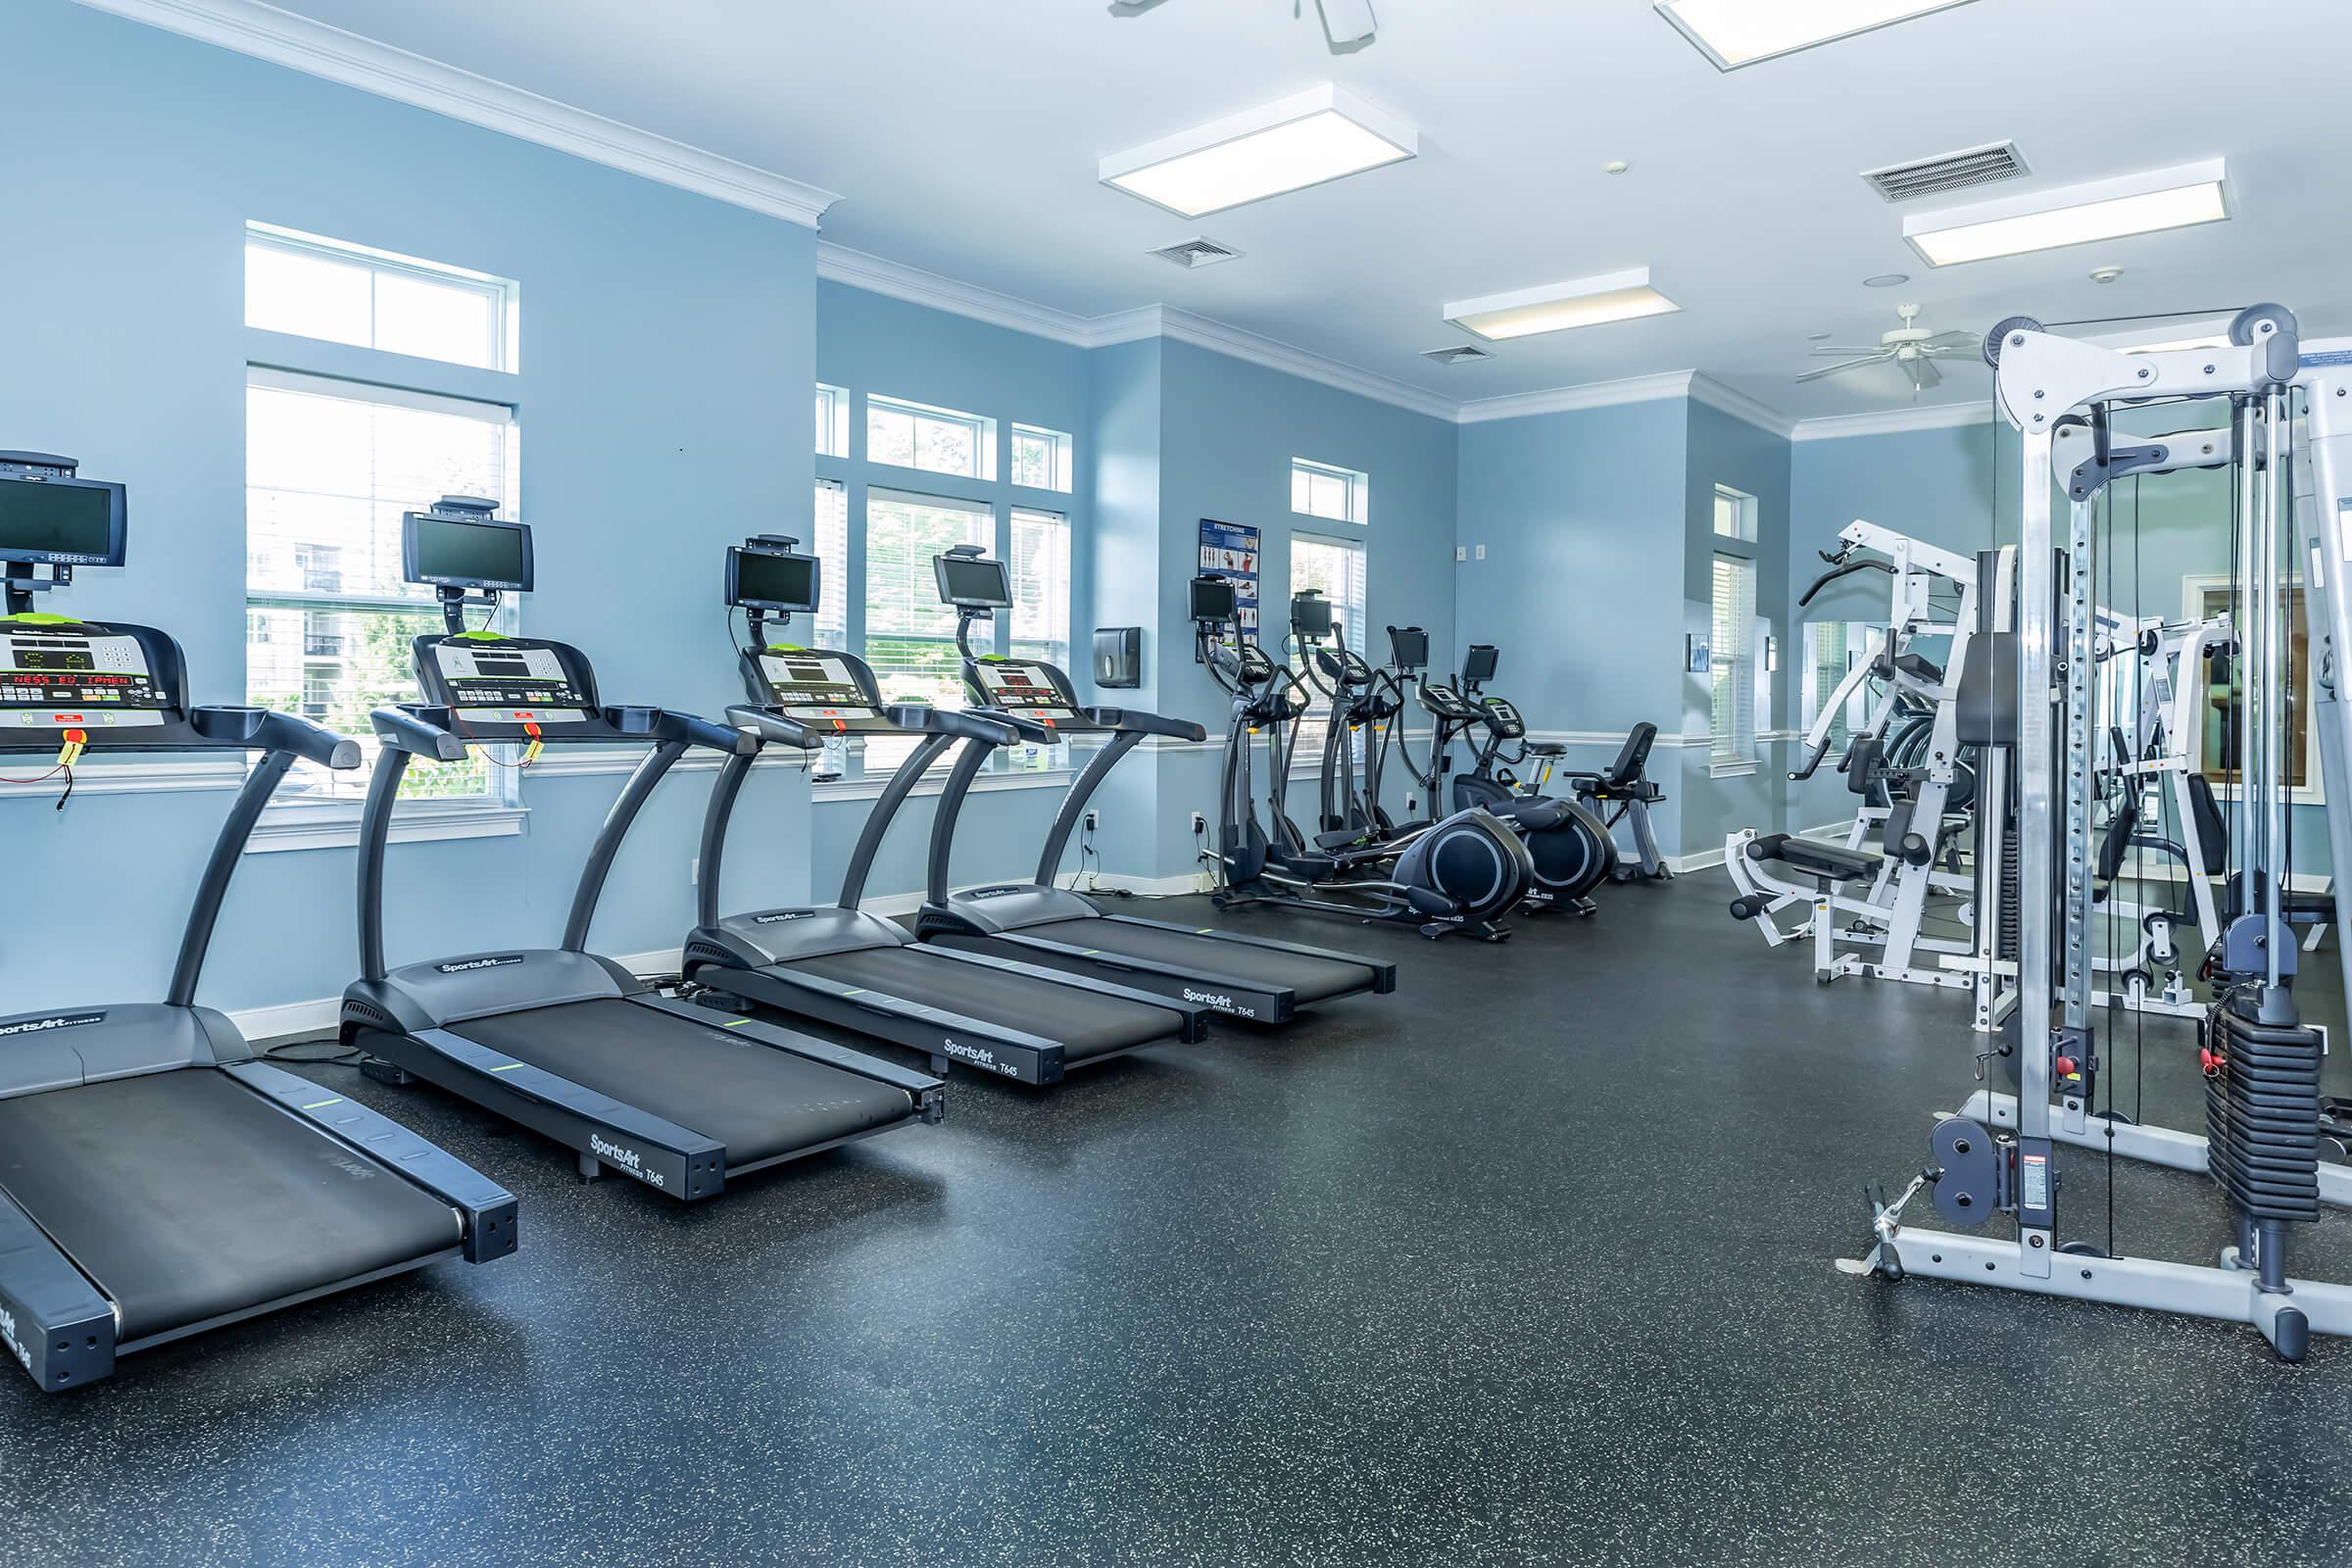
{"x":61,"y":523}
{"x":470,"y":553}
{"x":1479,"y":663}
{"x":782,"y":580}
{"x":1408,"y":647}
{"x":972,"y":582}
{"x":1310,"y":615}
{"x":1212,"y":598}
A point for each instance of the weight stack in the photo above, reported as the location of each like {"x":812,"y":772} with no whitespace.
{"x":2262,"y":1111}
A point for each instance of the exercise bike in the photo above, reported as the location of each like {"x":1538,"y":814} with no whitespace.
{"x":1573,"y":851}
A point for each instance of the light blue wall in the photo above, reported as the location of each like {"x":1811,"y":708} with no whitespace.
{"x":667,"y":347}
{"x":1583,"y":516}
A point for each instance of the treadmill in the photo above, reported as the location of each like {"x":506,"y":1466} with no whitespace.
{"x":562,"y":1040}
{"x":1242,"y":977}
{"x":853,"y":969}
{"x":157,"y":1177}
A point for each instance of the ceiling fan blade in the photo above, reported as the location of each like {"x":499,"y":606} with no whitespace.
{"x":1924,"y":374}
{"x":1957,"y":340}
{"x":1850,"y":364}
{"x":1825,"y":352}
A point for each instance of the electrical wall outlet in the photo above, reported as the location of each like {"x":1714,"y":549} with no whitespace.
{"x":1200,"y":823}
{"x":1093,"y":820}
{"x":1482,"y":551}
{"x":1462,"y":552}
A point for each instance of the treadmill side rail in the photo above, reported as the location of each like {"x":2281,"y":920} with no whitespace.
{"x":902,"y":1021}
{"x":1383,"y":971}
{"x":924,"y":1090}
{"x":1193,"y":1016}
{"x":485,"y":1211}
{"x":1225,"y":993}
{"x":53,"y":1321}
{"x":667,"y":1157}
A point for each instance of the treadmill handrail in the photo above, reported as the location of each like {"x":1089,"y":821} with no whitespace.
{"x":774,"y":728}
{"x":666,"y":726}
{"x":419,"y":729}
{"x":957,"y":723}
{"x":1137,"y":721}
{"x":263,"y":729}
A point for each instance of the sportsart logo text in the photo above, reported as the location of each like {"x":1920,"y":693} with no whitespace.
{"x":782,"y":915}
{"x":977,"y":1055}
{"x":63,"y":1020}
{"x":996,"y":893}
{"x":620,"y":1158}
{"x":7,"y":1337}
{"x":1209,"y":999}
{"x":478,"y":964}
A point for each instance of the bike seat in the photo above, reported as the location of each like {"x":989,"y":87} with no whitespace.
{"x":1547,"y":749}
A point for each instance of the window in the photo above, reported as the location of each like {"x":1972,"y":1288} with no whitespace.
{"x":832,"y":421}
{"x":1338,"y":570}
{"x":1732,"y":665}
{"x":1832,"y":649}
{"x":1040,"y":459}
{"x":1040,"y":568}
{"x":1734,"y":515}
{"x":830,"y":544}
{"x":329,"y":467}
{"x":1320,"y":490}
{"x":322,"y":288}
{"x":909,"y":635}
{"x":913,"y":435}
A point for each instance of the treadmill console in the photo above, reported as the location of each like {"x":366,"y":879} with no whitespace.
{"x":1028,"y":688}
{"x":58,"y":675}
{"x":494,"y":682}
{"x":1502,"y":718}
{"x":828,"y":691}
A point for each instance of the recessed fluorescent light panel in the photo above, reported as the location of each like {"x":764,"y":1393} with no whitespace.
{"x":1556,"y":307}
{"x":1739,"y":32}
{"x":1323,"y":134}
{"x":2077,"y":214}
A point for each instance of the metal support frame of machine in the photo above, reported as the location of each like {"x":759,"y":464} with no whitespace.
{"x":2261,"y":1062}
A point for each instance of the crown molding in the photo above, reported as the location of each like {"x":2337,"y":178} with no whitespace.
{"x":1704,"y":389}
{"x":1893,"y":422}
{"x":318,"y":50}
{"x":879,"y":275}
{"x":1569,"y":399}
{"x":1274,"y":354}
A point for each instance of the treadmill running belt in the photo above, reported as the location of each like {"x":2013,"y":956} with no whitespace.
{"x":1309,"y":979}
{"x":757,"y":1099}
{"x":186,"y":1196}
{"x":1085,"y":1022}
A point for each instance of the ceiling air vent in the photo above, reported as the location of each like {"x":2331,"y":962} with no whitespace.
{"x":1456,"y":354}
{"x":1196,"y":251}
{"x":1931,"y":176}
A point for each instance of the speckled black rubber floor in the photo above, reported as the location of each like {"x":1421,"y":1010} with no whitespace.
{"x":1528,"y":1263}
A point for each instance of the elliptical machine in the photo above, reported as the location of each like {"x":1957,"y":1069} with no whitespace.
{"x":1570,"y":844}
{"x":1459,"y":875}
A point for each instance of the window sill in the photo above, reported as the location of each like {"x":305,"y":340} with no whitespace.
{"x":336,"y":825}
{"x":1734,"y":770}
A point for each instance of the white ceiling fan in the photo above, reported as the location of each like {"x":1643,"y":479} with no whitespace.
{"x":1347,"y":23}
{"x":1911,"y":347}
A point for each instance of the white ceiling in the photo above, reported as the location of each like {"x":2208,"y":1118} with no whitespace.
{"x":963,"y":138}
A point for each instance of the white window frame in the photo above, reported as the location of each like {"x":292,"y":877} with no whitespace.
{"x":503,"y":293}
{"x":296,"y":824}
{"x":1356,"y":506}
{"x":831,"y":410}
{"x":982,"y":427}
{"x":1349,"y":616}
{"x":1058,"y":461}
{"x":1732,"y":750}
{"x":1743,"y":507}
{"x":2313,"y":790}
{"x":830,"y":625}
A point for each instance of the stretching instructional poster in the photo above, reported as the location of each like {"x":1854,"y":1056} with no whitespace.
{"x":1229,"y":550}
